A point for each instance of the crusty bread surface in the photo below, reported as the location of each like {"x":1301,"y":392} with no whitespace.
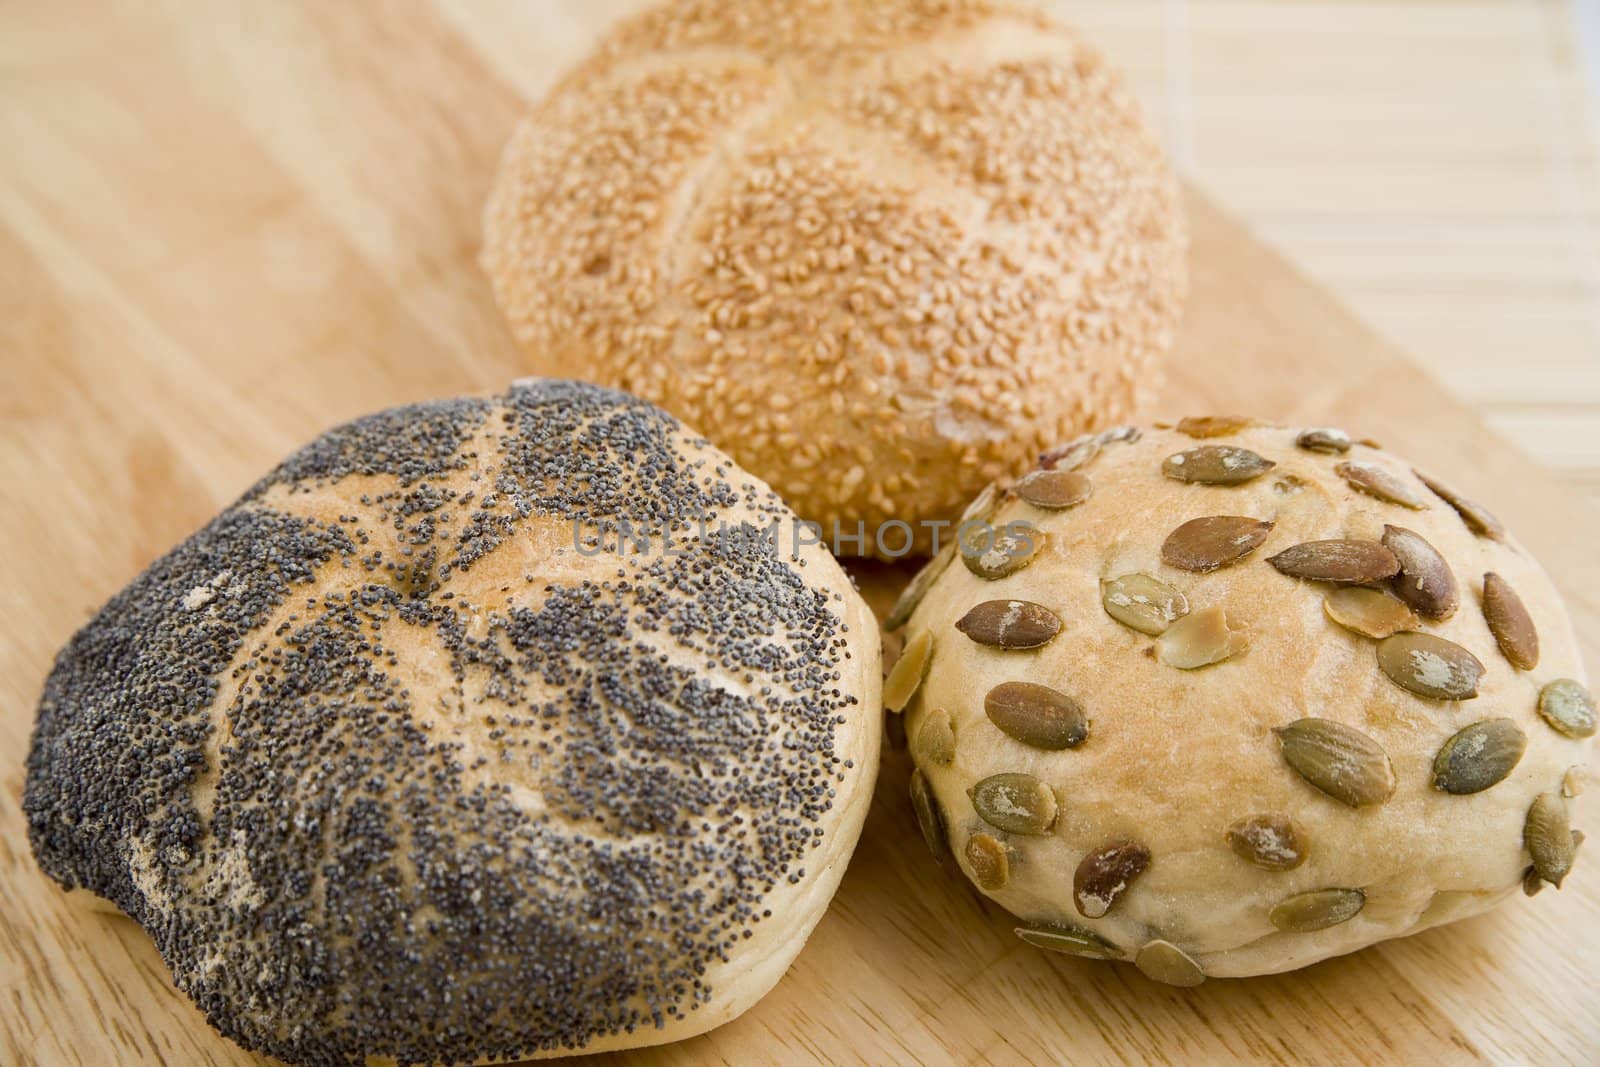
{"x":402,"y":757}
{"x":1177,"y":754}
{"x":883,"y":251}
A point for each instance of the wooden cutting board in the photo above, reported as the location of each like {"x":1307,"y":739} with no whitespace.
{"x":223,"y":228}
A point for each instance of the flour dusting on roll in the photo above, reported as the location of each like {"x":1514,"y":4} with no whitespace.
{"x":1227,"y":699}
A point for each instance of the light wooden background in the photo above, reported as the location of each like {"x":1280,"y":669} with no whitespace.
{"x":224,"y":226}
{"x":1433,"y":162}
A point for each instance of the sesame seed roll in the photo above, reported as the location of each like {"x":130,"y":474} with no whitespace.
{"x":882,"y":252}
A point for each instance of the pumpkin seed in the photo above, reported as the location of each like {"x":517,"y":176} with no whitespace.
{"x":993,"y":552}
{"x":989,"y":860}
{"x":1070,"y":456}
{"x":1203,"y":426}
{"x":1340,"y":760}
{"x":1055,"y":490}
{"x":1448,"y":905}
{"x":1317,"y":910}
{"x":982,"y":507}
{"x":929,"y":818}
{"x":1016,"y":803}
{"x":1547,"y":835}
{"x":1010,"y":624}
{"x":1341,"y":560}
{"x":918,"y":588}
{"x":1572,"y":782}
{"x":1430,"y":666}
{"x":1199,"y":640}
{"x":1081,"y":450}
{"x":1105,"y":874}
{"x":1271,"y":842}
{"x":1369,"y":612}
{"x":1478,"y":756}
{"x":1568,"y":707}
{"x":1325,"y":439}
{"x":1510,"y":623}
{"x":1142,"y":603}
{"x":1216,"y":465}
{"x":1425,"y":581}
{"x":1479,"y":519}
{"x":1071,"y":940}
{"x":1124,"y":434}
{"x":1205,"y":544}
{"x":1375,"y":481}
{"x":906,"y":676}
{"x":1162,"y":961}
{"x":936,"y":738}
{"x":1036,"y":715}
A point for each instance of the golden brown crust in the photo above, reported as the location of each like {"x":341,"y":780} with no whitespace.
{"x":882,"y":252}
{"x":1175,"y":759}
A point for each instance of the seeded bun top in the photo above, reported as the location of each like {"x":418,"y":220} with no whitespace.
{"x":1228,"y":699}
{"x":399,"y":756}
{"x":883,"y":251}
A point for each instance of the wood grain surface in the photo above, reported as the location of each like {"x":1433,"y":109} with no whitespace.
{"x":224,"y":227}
{"x":1434,"y":163}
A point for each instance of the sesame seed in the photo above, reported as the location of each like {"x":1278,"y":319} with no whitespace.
{"x":989,"y":230}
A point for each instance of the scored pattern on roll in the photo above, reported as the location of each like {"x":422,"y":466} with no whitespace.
{"x":884,"y":251}
{"x":398,"y":729}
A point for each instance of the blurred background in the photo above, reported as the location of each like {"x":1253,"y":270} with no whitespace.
{"x":1435,"y":163}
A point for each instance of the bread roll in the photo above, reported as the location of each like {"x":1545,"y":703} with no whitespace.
{"x":1228,"y":699}
{"x":883,"y":251}
{"x":400,"y":756}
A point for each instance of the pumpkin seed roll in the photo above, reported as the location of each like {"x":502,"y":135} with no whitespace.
{"x":1226,"y":698}
{"x":882,"y":251}
{"x":417,"y":752}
